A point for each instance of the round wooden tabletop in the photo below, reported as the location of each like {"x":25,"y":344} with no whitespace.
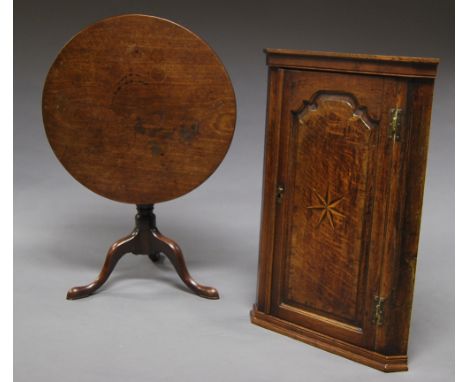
{"x":139,"y":109}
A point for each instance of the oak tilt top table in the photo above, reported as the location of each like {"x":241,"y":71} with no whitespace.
{"x":139,"y":110}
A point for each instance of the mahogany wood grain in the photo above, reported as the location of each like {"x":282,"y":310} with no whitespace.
{"x":342,"y":197}
{"x":139,"y":109}
{"x":144,"y":240}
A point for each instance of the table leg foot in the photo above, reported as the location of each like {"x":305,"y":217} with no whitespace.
{"x":173,"y":252}
{"x":116,"y":251}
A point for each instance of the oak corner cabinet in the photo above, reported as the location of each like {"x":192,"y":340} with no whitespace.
{"x":345,"y":158}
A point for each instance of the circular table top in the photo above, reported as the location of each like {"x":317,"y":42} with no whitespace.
{"x":139,"y":109}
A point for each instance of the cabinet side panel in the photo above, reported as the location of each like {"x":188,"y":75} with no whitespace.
{"x":270,"y":171}
{"x":418,"y":121}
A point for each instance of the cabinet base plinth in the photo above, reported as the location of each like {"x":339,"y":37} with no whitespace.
{"x":355,"y":353}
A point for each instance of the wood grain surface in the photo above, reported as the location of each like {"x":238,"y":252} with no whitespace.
{"x":342,"y":197}
{"x":139,"y":109}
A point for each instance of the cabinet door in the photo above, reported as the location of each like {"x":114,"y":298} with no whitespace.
{"x":337,"y":159}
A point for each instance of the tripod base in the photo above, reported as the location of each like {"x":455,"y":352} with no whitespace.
{"x":144,"y":240}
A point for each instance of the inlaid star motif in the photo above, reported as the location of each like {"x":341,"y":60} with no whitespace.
{"x":328,"y":207}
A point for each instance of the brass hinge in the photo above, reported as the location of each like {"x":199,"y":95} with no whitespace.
{"x":395,"y":123}
{"x":378,"y":313}
{"x":279,"y":193}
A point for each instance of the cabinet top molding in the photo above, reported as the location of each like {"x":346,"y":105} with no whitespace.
{"x":398,"y":66}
